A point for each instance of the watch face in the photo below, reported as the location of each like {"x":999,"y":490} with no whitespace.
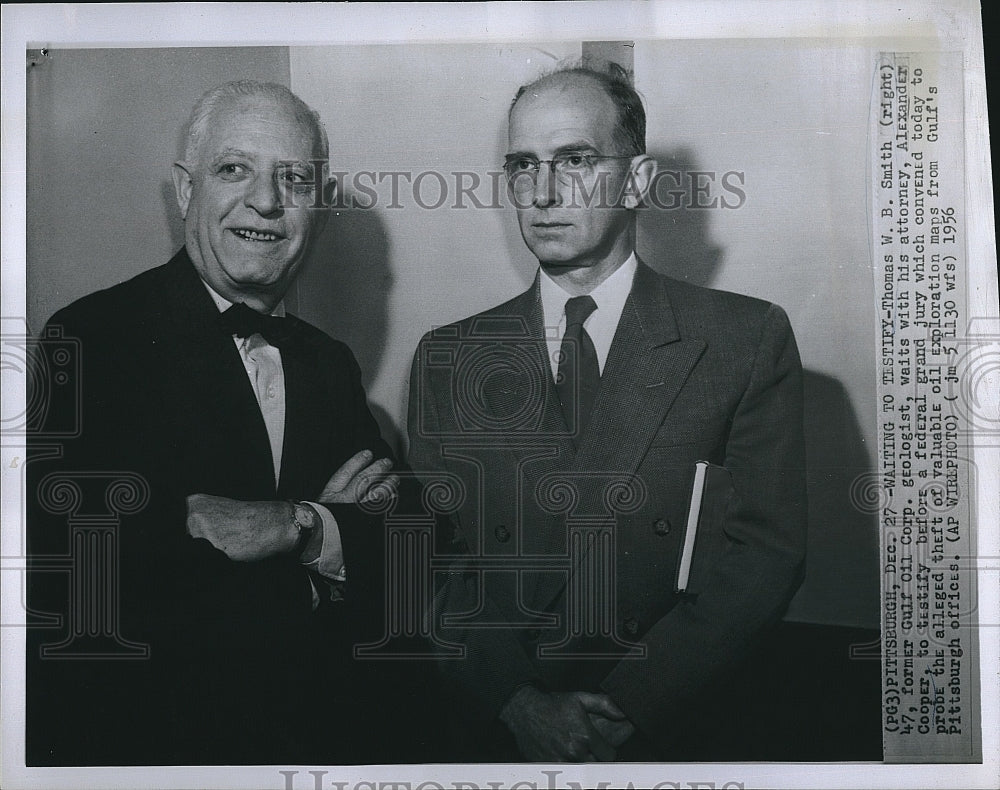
{"x":305,"y":516}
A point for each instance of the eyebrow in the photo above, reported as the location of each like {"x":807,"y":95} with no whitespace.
{"x":225,"y":152}
{"x":581,"y":146}
{"x":239,"y":152}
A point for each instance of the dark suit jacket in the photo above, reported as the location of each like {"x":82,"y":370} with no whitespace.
{"x":240,"y":668}
{"x":692,"y":375}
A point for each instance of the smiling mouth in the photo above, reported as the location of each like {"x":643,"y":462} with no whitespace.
{"x":248,"y":234}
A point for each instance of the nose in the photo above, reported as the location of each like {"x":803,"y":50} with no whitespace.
{"x":545,"y":193}
{"x":264,"y":195}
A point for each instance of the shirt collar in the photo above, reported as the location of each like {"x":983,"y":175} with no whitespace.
{"x":222,"y":304}
{"x":609,"y":296}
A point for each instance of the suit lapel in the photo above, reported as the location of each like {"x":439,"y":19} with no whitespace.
{"x":647,"y":365}
{"x":523,"y":393}
{"x":208,"y":389}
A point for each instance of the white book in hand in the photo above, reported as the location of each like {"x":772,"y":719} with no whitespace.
{"x":691,"y":531}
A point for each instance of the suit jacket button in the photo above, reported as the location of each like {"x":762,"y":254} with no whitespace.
{"x":501,"y":533}
{"x":631,"y":625}
{"x":661,"y":527}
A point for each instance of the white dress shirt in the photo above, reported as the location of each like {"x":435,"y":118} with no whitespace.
{"x":262,"y":362}
{"x":601,"y":324}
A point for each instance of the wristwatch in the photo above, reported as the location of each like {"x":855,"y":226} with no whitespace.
{"x":305,"y":519}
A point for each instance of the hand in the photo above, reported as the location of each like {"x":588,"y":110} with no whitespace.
{"x":608,"y":719}
{"x":557,"y":726}
{"x":614,"y":731}
{"x":359,"y":480}
{"x":244,"y":531}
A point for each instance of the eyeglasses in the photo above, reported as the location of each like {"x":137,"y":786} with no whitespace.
{"x":566,"y":166}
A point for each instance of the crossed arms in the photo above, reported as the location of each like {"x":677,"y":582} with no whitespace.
{"x":251,"y":531}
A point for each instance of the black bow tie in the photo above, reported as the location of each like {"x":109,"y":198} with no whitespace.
{"x":244,"y":321}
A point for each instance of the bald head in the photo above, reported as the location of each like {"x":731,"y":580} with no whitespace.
{"x":575,"y":177}
{"x":607,"y":88}
{"x":232,"y":94}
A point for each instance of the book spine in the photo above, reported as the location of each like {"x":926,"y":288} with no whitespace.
{"x":694,"y":511}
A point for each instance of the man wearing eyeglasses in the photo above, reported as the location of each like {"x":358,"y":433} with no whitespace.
{"x":574,"y":415}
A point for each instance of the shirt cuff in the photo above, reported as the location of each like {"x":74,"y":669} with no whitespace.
{"x":330,"y":562}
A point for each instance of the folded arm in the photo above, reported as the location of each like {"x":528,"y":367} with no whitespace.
{"x":253,"y":531}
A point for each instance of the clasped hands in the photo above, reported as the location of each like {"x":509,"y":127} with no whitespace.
{"x":565,"y":726}
{"x":249,"y":531}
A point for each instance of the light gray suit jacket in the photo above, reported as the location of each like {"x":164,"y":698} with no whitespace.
{"x":567,"y":545}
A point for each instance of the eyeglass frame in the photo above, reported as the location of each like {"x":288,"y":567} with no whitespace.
{"x":551,"y":163}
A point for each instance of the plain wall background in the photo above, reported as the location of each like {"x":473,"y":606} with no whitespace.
{"x":105,"y":125}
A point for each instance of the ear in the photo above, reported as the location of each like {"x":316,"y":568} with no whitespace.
{"x":330,"y":191}
{"x":328,"y":197}
{"x":183,"y":184}
{"x":642,"y":170}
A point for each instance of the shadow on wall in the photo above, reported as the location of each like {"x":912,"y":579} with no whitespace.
{"x":843,"y":560}
{"x":344,"y":290}
{"x":841,"y":585}
{"x":672,"y":238}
